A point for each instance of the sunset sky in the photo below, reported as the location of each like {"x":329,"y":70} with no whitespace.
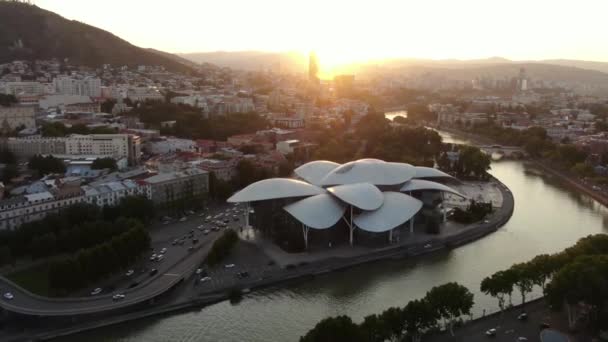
{"x":355,"y":30}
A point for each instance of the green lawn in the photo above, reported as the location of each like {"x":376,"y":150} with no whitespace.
{"x":34,"y":279}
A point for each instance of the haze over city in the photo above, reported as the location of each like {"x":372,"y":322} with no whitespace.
{"x":355,"y":31}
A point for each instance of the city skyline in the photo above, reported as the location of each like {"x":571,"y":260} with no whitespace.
{"x":343,"y":32}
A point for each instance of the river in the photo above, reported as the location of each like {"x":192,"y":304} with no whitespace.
{"x":547,"y":218}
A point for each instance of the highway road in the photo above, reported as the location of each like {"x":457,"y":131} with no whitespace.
{"x":179,"y":263}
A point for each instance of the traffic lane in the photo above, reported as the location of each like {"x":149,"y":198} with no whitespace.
{"x":44,"y":306}
{"x":508,"y":328}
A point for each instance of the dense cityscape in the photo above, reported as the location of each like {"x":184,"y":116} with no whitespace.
{"x":247,"y":197}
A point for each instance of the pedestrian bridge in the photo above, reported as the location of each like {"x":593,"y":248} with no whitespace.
{"x":505,"y":151}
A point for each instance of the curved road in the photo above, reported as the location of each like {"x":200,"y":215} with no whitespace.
{"x":178,"y":264}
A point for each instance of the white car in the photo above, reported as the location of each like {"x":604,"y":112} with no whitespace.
{"x":96,"y":291}
{"x":8,"y":296}
{"x":199,"y":270}
{"x":204,"y":279}
{"x":183,"y":219}
{"x":153,"y":257}
{"x":163,"y":251}
{"x":206,"y":231}
{"x":118,"y":296}
{"x":129,"y":273}
{"x":159,"y":257}
{"x":491,"y":332}
{"x":229,"y":265}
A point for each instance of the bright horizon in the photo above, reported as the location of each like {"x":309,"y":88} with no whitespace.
{"x":354,"y":31}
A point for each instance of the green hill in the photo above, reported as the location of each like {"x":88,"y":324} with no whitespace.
{"x":29,"y":32}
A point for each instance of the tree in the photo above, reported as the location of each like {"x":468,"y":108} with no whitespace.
{"x":583,"y":280}
{"x":419,"y":316}
{"x":7,"y":157}
{"x":45,"y":165}
{"x":9,"y":172}
{"x":373,"y":329}
{"x":394,"y":323}
{"x":498,"y":285}
{"x":334,"y":329}
{"x":542,"y":267}
{"x":450,"y":301}
{"x":7,"y":100}
{"x":104,"y":163}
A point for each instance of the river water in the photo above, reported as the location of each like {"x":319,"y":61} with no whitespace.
{"x":547,"y":218}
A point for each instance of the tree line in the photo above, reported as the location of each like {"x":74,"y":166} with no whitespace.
{"x":577,"y":275}
{"x":446,"y":302}
{"x":91,"y":264}
{"x":78,"y":226}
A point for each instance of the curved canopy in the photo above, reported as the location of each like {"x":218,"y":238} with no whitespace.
{"x":361,"y":195}
{"x":273,"y":188}
{"x":397,"y":209}
{"x":314,"y":171}
{"x":372,"y":171}
{"x":421,"y":184}
{"x":318,"y":212}
{"x":429,"y":172}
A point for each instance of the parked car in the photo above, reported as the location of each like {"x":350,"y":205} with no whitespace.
{"x":522,"y":316}
{"x":229,"y":265}
{"x":241,"y":275}
{"x":491,"y":332}
{"x":199,"y":271}
{"x":175,"y":242}
{"x":204,"y":279}
{"x":129,"y":273}
{"x":163,"y":251}
{"x":194,"y":241}
{"x":183,"y":219}
{"x":153,"y":271}
{"x":190,"y":249}
{"x":159,"y":258}
{"x":206,"y":231}
{"x":153,"y":257}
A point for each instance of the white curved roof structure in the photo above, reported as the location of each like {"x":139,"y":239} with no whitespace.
{"x":372,"y":171}
{"x":318,"y":212}
{"x":397,"y":209}
{"x":273,"y":188}
{"x":314,"y":171}
{"x":361,"y":195}
{"x":429,"y":172}
{"x":421,"y":184}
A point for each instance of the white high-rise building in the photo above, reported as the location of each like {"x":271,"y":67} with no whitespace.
{"x":88,"y":86}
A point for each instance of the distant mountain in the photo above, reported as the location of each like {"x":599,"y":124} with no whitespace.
{"x":29,"y":32}
{"x":175,"y":58}
{"x":590,"y":65}
{"x":251,"y":60}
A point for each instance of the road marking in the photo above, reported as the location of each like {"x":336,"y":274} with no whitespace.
{"x":172,"y":274}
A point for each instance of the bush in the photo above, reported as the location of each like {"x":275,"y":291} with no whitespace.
{"x":475,"y":212}
{"x":222,"y":247}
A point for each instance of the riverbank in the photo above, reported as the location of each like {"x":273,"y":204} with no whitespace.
{"x":301,"y":273}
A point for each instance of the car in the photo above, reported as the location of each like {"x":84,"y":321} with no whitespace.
{"x":190,"y":212}
{"x":153,"y":257}
{"x":160,"y":258}
{"x":199,"y":271}
{"x":166,"y":222}
{"x":491,"y":332}
{"x":190,"y":249}
{"x":215,"y":229}
{"x":201,"y":214}
{"x":183,"y":219}
{"x":235,"y":218}
{"x":521,"y":338}
{"x":174,"y":242}
{"x":181,"y":242}
{"x":229,"y":266}
{"x":522,"y":316}
{"x":129,"y":273}
{"x":204,"y":279}
{"x":226,"y":221}
{"x":428,"y":245}
{"x":194,"y":241}
{"x":153,"y":271}
{"x":206,"y":231}
{"x":207,"y":218}
{"x":544,"y":325}
{"x":118,"y":296}
{"x":96,"y":291}
{"x":163,"y":251}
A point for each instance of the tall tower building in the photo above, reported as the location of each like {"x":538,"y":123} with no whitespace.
{"x":313,"y":68}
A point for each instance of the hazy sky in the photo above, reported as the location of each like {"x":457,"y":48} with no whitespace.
{"x":354,"y":30}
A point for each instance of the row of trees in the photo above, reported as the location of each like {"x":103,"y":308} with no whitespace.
{"x":78,"y":226}
{"x":104,"y":163}
{"x":577,"y":275}
{"x":471,"y":163}
{"x":91,"y":264}
{"x":447,"y":302}
{"x":10,"y":169}
{"x":222,"y":247}
{"x":44,"y":165}
{"x":190,"y":122}
{"x":58,"y":129}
